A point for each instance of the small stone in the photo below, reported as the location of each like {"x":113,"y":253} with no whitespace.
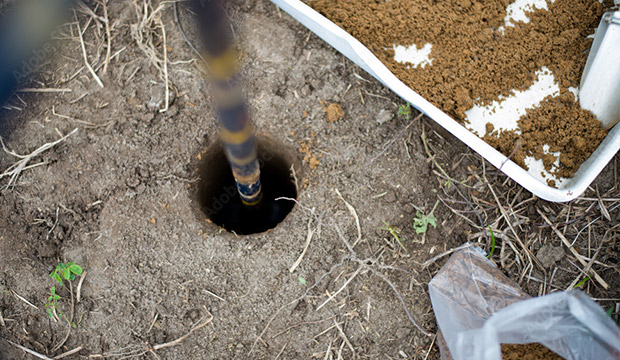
{"x":133,"y":182}
{"x":155,"y":102}
{"x":408,"y":209}
{"x":305,"y":91}
{"x":130,"y":194}
{"x":384,"y":116}
{"x":390,"y":197}
{"x":402,"y":333}
{"x":145,"y":117}
{"x":172,"y":110}
{"x":548,"y":255}
{"x":143,"y":172}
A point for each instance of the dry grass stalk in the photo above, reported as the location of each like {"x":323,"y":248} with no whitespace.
{"x":43,"y":90}
{"x":306,"y":245}
{"x":16,"y":169}
{"x":527,"y":251}
{"x":596,"y":276}
{"x":332,"y":296}
{"x":136,"y":351}
{"x":179,"y":340}
{"x":344,"y":337}
{"x":27,"y":350}
{"x":108,"y":35}
{"x":84,"y":53}
{"x":68,"y":353}
{"x":78,"y":291}
{"x":145,"y":36}
{"x":354,"y":214}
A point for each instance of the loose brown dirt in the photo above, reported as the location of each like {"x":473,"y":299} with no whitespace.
{"x":116,"y":197}
{"x":528,"y":352}
{"x":474,"y":62}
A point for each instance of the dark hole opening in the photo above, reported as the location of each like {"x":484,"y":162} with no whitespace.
{"x":220,"y":202}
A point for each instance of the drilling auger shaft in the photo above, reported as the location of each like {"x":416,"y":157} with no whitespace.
{"x":236,"y":128}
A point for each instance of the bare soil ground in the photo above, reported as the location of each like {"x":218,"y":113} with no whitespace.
{"x":117,"y":197}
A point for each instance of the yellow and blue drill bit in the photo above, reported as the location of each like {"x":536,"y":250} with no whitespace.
{"x":236,"y":128}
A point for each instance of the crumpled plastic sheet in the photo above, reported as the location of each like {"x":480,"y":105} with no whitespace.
{"x":478,"y":308}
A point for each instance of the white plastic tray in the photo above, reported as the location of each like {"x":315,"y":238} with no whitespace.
{"x":359,"y":54}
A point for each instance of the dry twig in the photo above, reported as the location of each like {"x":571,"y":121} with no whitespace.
{"x":273,"y":317}
{"x":303,"y":252}
{"x":530,"y":257}
{"x":90,"y":68}
{"x":344,"y":337}
{"x":16,"y":169}
{"x":567,"y":243}
{"x":359,"y":269}
{"x":180,"y":339}
{"x":24,"y":300}
{"x":68,"y":353}
{"x":142,"y":32}
{"x":108,"y":35}
{"x":29,"y":351}
{"x":401,"y":133}
{"x":435,"y":258}
{"x":140,"y":350}
{"x":78,"y":291}
{"x":354,"y":214}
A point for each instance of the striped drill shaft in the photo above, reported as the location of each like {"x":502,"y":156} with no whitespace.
{"x":236,"y":128}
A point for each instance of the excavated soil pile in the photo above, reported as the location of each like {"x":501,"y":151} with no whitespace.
{"x":477,"y":57}
{"x":528,"y":352}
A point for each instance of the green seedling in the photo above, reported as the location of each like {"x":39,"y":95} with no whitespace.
{"x":581,"y":283}
{"x":421,"y":221}
{"x":394,"y":232}
{"x":492,"y":243}
{"x":62,"y":272}
{"x":66,"y":272}
{"x":302,"y":280}
{"x":405,"y":110}
{"x":610,"y":313}
{"x":52,"y":303}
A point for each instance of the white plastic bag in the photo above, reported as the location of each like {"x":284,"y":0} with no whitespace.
{"x":478,"y":308}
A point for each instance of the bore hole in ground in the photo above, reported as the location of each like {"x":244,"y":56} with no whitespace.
{"x":219,"y":200}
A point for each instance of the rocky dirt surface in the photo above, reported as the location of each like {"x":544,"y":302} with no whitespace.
{"x":118,"y":198}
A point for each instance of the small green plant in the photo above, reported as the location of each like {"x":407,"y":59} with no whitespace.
{"x":62,"y":272}
{"x":405,"y":111}
{"x":492,"y":243}
{"x":395,"y":234}
{"x":582,"y":282}
{"x":421,"y":221}
{"x":66,"y":271}
{"x":610,"y":313}
{"x":302,"y":280}
{"x":52,"y":303}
